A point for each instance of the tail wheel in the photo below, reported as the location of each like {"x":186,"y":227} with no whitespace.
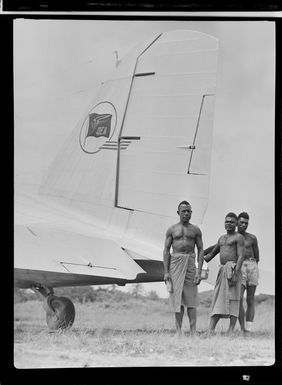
{"x":61,"y":312}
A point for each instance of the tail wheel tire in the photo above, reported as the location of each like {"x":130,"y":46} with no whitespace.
{"x":61,"y":313}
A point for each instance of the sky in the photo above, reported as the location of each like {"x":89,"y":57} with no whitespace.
{"x":59,"y":65}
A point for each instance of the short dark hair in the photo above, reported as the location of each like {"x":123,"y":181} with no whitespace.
{"x":232,"y":215}
{"x":243,"y":214}
{"x":183,"y":203}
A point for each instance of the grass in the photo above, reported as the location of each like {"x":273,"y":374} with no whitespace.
{"x":137,"y":333}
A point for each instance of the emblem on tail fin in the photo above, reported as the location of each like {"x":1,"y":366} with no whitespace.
{"x":98,"y":127}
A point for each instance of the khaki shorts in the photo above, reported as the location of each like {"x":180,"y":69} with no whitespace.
{"x":250,"y":273}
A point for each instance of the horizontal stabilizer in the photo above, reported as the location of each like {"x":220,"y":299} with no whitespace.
{"x":54,"y":250}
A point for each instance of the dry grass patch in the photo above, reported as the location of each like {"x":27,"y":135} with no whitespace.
{"x":137,"y":333}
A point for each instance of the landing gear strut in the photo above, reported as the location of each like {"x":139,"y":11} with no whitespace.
{"x":60,"y":311}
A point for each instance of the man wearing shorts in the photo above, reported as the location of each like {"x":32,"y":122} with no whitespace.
{"x":250,"y":273}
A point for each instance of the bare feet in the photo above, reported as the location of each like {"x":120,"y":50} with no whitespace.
{"x":245,"y":332}
{"x":208,"y":333}
{"x":179,"y":333}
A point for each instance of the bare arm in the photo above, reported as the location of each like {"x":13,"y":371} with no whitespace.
{"x":200,"y":258}
{"x":200,"y":247}
{"x":209,"y":249}
{"x":166,"y":252}
{"x":213,"y":253}
{"x":240,"y":252}
{"x":256,"y":249}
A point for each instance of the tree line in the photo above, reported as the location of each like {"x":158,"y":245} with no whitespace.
{"x":83,"y":294}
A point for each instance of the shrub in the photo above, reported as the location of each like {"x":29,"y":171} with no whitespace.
{"x":153,"y":295}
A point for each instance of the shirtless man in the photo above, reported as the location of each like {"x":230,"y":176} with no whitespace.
{"x":180,"y":268}
{"x":231,"y":249}
{"x":250,"y":273}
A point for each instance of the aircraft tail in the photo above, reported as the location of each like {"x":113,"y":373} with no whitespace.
{"x":145,"y":142}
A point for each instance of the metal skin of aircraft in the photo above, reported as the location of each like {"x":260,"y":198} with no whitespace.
{"x":144,"y":145}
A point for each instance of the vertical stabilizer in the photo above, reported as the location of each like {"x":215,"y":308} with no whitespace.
{"x":145,"y":142}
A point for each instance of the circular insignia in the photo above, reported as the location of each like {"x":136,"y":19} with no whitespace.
{"x":98,"y":127}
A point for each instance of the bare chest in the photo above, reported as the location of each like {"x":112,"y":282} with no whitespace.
{"x":248,"y":242}
{"x":228,"y":241}
{"x":184,"y":233}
